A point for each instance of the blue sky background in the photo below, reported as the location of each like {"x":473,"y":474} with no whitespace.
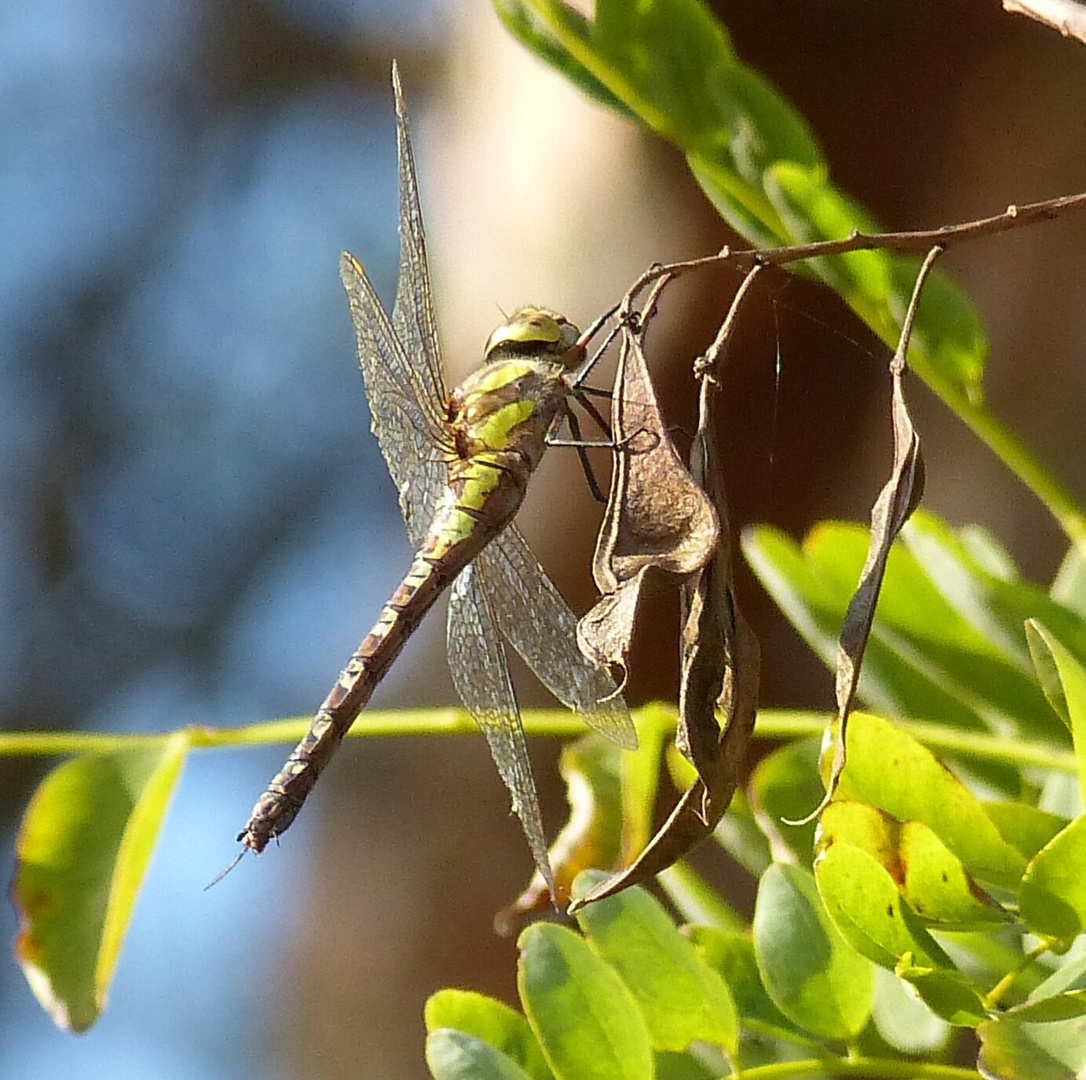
{"x":184,"y":453}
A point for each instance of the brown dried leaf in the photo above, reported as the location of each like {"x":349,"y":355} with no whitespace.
{"x":703,"y":805}
{"x":720,"y":665}
{"x":656,"y":518}
{"x":896,"y":501}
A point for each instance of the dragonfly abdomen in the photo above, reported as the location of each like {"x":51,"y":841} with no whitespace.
{"x":455,"y":537}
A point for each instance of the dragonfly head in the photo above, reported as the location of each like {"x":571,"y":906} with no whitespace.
{"x":535,"y":333}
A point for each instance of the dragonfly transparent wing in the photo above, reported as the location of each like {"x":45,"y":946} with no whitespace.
{"x":481,"y":676}
{"x":409,"y":441}
{"x":538,"y":623}
{"x":413,"y":314}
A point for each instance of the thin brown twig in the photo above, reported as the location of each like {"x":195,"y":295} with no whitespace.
{"x":897,"y":364}
{"x":922,"y":240}
{"x":705,"y":367}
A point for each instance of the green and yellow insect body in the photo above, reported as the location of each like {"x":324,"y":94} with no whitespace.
{"x":497,"y":422}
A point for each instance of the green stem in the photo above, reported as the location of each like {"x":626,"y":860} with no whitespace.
{"x":553,"y":723}
{"x":558,"y":723}
{"x":881,"y":1067}
{"x":994,"y":996}
{"x":774,"y":723}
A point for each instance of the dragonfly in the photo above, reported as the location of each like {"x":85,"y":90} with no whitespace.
{"x":460,"y":461}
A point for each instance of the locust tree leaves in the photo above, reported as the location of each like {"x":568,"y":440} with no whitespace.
{"x":628,"y":999}
{"x":672,"y":64}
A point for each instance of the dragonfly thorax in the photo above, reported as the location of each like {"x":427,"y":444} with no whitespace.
{"x":507,"y":407}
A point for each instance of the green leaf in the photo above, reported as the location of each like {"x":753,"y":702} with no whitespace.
{"x":533,"y":34}
{"x":903,"y":1019}
{"x":1013,"y":1050}
{"x":863,"y":902}
{"x":454,"y":1055}
{"x":890,"y":769}
{"x":491,"y":1021}
{"x":1072,"y":689}
{"x":933,"y":882}
{"x":988,"y":553}
{"x":1052,"y":897}
{"x":812,"y":975}
{"x":683,"y":999}
{"x":1048,"y":673}
{"x":684,"y":1067}
{"x":948,"y":994}
{"x":586,"y":1019}
{"x":1069,"y":585}
{"x":732,"y":955}
{"x":1051,"y":1009}
{"x":926,"y":659}
{"x":997,"y":607}
{"x":81,"y":853}
{"x":783,"y":787}
{"x":1061,"y":996}
{"x":919,"y":651}
{"x":1024,"y":827}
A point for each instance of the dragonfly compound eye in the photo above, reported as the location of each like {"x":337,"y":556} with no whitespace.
{"x":533,"y":330}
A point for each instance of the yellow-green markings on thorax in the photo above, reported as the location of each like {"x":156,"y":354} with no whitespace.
{"x":500,"y":415}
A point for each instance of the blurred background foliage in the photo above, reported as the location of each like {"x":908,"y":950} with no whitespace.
{"x":197,"y":527}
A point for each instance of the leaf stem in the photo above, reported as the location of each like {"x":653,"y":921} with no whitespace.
{"x":880,"y":1067}
{"x":552,"y":723}
{"x":993,"y":997}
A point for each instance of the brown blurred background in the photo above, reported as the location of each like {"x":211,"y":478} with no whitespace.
{"x":198,"y":528}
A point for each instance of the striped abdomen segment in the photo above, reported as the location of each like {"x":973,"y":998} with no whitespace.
{"x":454,"y":539}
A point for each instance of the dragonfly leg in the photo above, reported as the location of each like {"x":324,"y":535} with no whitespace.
{"x":581,"y":445}
{"x":582,"y":454}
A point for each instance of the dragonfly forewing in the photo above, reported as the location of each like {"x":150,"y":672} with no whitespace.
{"x":413,"y":313}
{"x":411,"y":441}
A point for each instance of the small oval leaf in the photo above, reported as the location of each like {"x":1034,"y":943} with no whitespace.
{"x":82,"y":850}
{"x":865,"y":905}
{"x":1012,"y":1050}
{"x":492,"y":1021}
{"x":584,"y":1016}
{"x":682,"y":998}
{"x":813,"y":976}
{"x":455,"y":1055}
{"x":1053,"y":893}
